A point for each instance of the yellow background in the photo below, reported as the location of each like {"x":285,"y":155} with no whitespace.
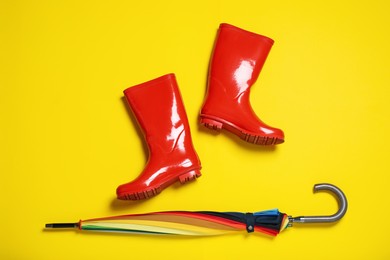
{"x":67,"y":139}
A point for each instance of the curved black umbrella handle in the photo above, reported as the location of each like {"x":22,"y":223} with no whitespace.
{"x":343,"y":205}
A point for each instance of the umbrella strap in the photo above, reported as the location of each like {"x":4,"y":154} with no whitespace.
{"x":250,"y":222}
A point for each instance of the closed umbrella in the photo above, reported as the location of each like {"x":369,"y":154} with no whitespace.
{"x":206,"y":223}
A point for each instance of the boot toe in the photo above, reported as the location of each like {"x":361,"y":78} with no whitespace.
{"x":272,"y":135}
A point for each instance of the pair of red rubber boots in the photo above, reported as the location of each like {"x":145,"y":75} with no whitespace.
{"x":236,"y":62}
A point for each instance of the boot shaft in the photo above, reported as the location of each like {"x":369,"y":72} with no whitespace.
{"x":159,"y":110}
{"x":237,"y":58}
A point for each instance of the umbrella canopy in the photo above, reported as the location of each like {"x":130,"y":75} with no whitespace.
{"x":190,"y":223}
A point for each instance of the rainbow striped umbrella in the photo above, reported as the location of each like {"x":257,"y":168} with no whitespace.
{"x":205,"y":223}
{"x":190,"y":223}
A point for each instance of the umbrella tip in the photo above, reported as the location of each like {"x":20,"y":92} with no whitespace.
{"x":62,"y":225}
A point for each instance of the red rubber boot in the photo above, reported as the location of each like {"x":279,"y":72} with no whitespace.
{"x":237,"y":60}
{"x":159,"y":110}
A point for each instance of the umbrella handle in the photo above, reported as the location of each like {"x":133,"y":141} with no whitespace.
{"x":343,"y":205}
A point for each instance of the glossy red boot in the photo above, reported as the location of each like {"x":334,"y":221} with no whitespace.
{"x":237,"y":60}
{"x":159,"y":110}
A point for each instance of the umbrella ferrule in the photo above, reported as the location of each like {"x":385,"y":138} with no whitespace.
{"x":62,"y":225}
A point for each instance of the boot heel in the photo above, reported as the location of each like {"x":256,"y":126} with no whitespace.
{"x":210,"y":123}
{"x":189,"y":176}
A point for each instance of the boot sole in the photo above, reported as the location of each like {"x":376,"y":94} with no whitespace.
{"x":153,"y":191}
{"x":219,"y":124}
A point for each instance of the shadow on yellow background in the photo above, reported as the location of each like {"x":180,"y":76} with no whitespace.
{"x":68,"y":140}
